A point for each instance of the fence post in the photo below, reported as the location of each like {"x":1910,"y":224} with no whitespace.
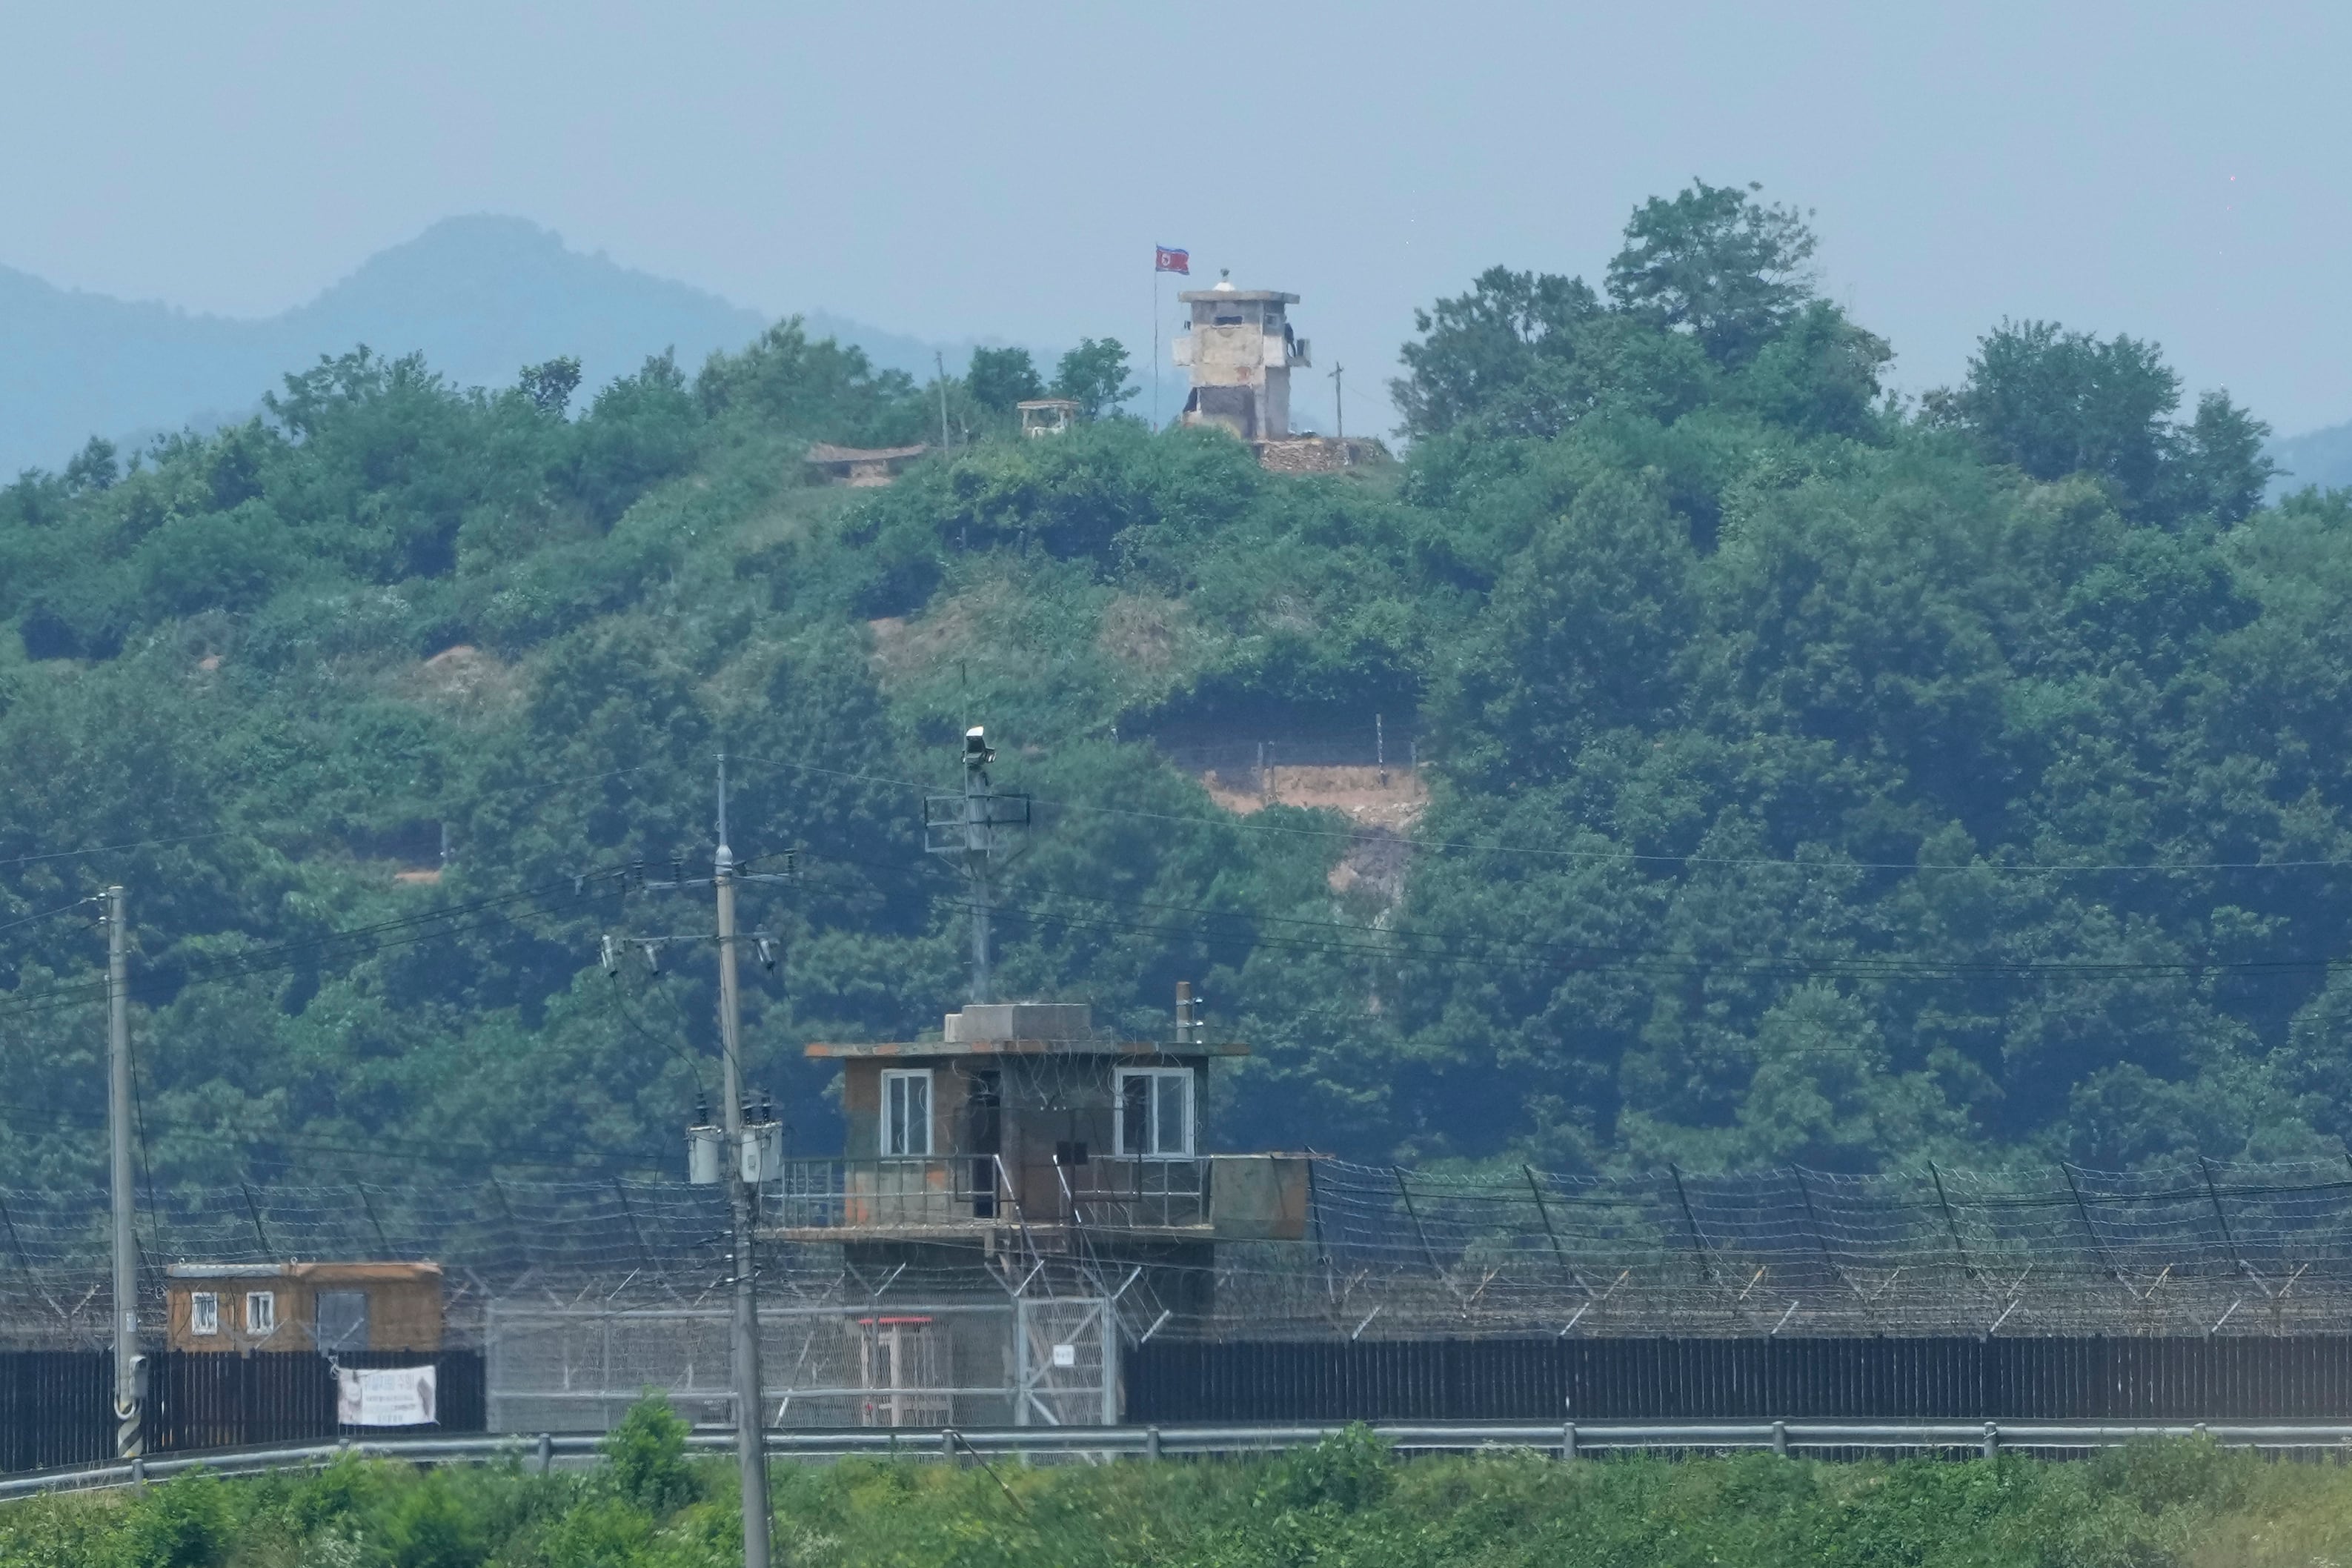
{"x":546,"y":1453}
{"x":1152,"y":1444}
{"x":1780,"y":1438}
{"x":1991,"y":1439}
{"x":1110,"y":1411}
{"x":1568,"y":1440}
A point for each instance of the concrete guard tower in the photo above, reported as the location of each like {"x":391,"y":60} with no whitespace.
{"x":1021,"y":1138}
{"x":1241,"y":350}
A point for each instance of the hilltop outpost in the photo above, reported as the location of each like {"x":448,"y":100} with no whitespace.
{"x":1239,"y":347}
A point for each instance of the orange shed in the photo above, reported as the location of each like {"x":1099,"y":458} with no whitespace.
{"x":327,"y":1307}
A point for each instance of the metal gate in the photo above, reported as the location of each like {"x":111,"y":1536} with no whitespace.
{"x":1066,"y":1362}
{"x":1006,"y":1362}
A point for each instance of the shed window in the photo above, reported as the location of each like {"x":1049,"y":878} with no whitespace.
{"x":342,"y":1320}
{"x":1155,"y":1113}
{"x":906,"y":1114}
{"x":260,"y":1312}
{"x":204,"y":1312}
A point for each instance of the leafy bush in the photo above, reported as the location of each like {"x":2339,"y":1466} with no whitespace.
{"x":1349,"y":1470}
{"x":186,"y":1523}
{"x":648,"y":1455}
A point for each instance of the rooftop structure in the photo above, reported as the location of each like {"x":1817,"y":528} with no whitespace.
{"x":1240,"y":349}
{"x":862,"y":465}
{"x":1048,"y":415}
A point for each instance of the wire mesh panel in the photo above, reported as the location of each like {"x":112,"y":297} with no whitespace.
{"x":1067,"y":1364}
{"x":849,"y":1364}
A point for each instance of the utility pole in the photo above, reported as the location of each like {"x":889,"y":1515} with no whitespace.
{"x":751,"y":1415}
{"x":742,"y":1168}
{"x":941,"y":360}
{"x":963,"y":828}
{"x":130,"y":1438}
{"x":1339,"y":403}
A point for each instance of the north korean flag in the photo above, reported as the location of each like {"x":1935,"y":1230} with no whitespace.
{"x":1164,"y":260}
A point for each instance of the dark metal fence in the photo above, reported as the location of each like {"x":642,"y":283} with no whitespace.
{"x":57,"y":1406}
{"x":2307,"y":1377}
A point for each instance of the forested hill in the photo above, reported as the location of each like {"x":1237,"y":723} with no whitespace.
{"x":1813,"y":777}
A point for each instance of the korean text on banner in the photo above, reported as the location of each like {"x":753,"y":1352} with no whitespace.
{"x":388,"y":1396}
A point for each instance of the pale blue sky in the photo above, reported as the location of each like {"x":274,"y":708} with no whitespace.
{"x":2179,"y":172}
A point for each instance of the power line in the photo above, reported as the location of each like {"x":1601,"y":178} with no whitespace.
{"x":423,"y":925}
{"x":421,"y":1151}
{"x":111,"y":848}
{"x":1391,"y":944}
{"x":48,"y":914}
{"x":1245,"y":824}
{"x":534,"y":786}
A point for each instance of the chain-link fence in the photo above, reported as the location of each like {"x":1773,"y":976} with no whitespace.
{"x":1386,"y":1253}
{"x":881,"y":1362}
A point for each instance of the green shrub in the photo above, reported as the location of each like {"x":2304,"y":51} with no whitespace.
{"x":1349,"y":1470}
{"x":647,"y":1451}
{"x":435,"y":1525}
{"x":187,"y":1522}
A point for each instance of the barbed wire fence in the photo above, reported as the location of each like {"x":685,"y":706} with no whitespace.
{"x":1387,"y":1253}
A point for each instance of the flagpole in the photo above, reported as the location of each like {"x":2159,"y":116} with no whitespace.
{"x":1155,"y":339}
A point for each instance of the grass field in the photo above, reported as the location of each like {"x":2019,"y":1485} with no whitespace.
{"x":1347,"y":1504}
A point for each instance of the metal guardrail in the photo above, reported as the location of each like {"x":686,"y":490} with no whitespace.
{"x":1571,"y":1440}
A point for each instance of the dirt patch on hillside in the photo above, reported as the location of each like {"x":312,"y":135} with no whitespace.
{"x":905,"y":649}
{"x":1375,"y":863}
{"x":466,"y":679}
{"x":1146,"y":635}
{"x":1357,"y":793}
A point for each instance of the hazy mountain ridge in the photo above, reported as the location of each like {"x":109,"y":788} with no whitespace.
{"x":2322,"y":457}
{"x":479,"y":296}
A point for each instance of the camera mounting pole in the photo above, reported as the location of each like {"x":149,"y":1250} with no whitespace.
{"x":965,"y":828}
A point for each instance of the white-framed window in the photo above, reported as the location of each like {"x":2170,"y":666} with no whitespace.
{"x":906,"y":1113}
{"x":1155,"y":1113}
{"x":260,"y":1313}
{"x":204,"y":1312}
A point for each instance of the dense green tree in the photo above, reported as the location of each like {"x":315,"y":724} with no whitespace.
{"x":2217,"y":468}
{"x":787,"y":382}
{"x":1503,"y":354}
{"x":93,"y":468}
{"x":1717,"y":264}
{"x":550,"y":386}
{"x":2054,"y":403}
{"x":999,"y":378}
{"x":640,"y":430}
{"x":1709,"y":281}
{"x":1093,"y":376}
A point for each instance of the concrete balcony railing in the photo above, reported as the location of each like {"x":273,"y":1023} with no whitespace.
{"x":1127,"y":1193}
{"x":1233,"y":1196}
{"x":982,"y":1192}
{"x":966,"y":1192}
